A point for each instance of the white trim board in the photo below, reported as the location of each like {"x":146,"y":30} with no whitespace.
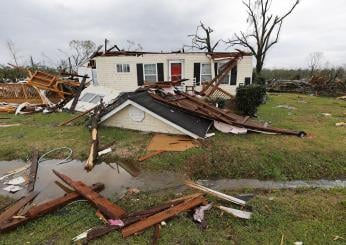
{"x":130,"y":102}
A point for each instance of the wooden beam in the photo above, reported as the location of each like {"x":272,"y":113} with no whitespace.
{"x":33,"y":171}
{"x":45,"y":208}
{"x":157,"y":218}
{"x":108,"y":208}
{"x":77,"y":95}
{"x":13,"y":210}
{"x":56,"y":203}
{"x":75,"y":117}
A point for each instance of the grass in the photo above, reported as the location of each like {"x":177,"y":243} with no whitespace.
{"x":312,"y":216}
{"x":320,"y":155}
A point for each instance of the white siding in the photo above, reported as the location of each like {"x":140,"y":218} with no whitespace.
{"x":108,"y":76}
{"x":149,"y":124}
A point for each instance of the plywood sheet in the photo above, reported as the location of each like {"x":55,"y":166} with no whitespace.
{"x":164,"y":142}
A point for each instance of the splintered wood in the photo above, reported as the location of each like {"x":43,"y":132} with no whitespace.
{"x":108,"y":208}
{"x":161,"y":216}
{"x":6,"y":216}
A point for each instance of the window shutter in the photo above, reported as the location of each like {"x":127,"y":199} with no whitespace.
{"x":234,"y":76}
{"x":215,"y":69}
{"x":140,"y":78}
{"x":197,"y":72}
{"x":160,"y":75}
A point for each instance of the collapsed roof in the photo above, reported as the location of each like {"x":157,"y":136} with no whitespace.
{"x":191,"y":113}
{"x":192,"y":125}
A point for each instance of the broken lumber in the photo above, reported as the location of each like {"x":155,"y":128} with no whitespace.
{"x":93,"y":154}
{"x":46,"y":207}
{"x":13,"y":210}
{"x":108,"y":208}
{"x":75,"y":117}
{"x":77,"y":94}
{"x":56,"y":203}
{"x":157,"y":218}
{"x":137,"y":216}
{"x":215,"y":193}
{"x":33,"y":171}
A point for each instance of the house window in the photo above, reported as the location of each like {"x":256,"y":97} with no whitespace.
{"x":150,"y":72}
{"x":205,"y":73}
{"x":221,"y":67}
{"x":123,"y":68}
{"x":92,"y":64}
{"x":247,"y":80}
{"x":91,"y":98}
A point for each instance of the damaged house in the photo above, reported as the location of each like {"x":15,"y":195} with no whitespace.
{"x":125,"y":71}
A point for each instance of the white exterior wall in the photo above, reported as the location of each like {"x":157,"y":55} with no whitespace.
{"x":244,"y":69}
{"x":149,"y":124}
{"x":126,"y":82}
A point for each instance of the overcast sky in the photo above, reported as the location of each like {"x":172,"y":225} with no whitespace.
{"x":42,"y":27}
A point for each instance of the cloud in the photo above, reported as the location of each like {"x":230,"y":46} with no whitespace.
{"x":39,"y":26}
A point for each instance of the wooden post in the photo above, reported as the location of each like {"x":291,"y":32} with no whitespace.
{"x":77,"y":95}
{"x":93,"y":154}
{"x":33,"y":171}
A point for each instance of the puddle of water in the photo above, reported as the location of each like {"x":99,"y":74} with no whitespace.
{"x":116,"y":183}
{"x":238,"y":184}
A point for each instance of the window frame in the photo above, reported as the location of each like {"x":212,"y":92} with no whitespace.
{"x":93,"y":96}
{"x":152,"y":74}
{"x":122,"y":68}
{"x":205,"y":74}
{"x":219,"y":64}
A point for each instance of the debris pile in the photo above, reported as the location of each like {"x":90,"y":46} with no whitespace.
{"x":113,"y":216}
{"x":41,"y":90}
{"x":319,"y":85}
{"x":189,"y":114}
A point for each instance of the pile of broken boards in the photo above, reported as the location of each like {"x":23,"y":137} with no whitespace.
{"x":190,"y":114}
{"x":317,"y":85}
{"x":41,"y":92}
{"x":114,"y":217}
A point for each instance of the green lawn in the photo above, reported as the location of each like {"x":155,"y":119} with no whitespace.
{"x":311,"y":216}
{"x":320,"y":155}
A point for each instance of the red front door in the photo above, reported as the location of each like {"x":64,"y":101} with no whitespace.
{"x":176,"y":69}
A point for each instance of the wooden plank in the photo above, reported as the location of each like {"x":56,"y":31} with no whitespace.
{"x":157,"y":218}
{"x":45,"y":208}
{"x":75,"y":117}
{"x":137,"y":216}
{"x":33,"y":171}
{"x":56,"y":203}
{"x":215,"y":193}
{"x":11,"y":211}
{"x":108,"y":208}
{"x":77,"y":95}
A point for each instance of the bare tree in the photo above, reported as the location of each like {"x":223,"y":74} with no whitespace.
{"x":314,"y":61}
{"x":202,"y":39}
{"x":81,"y":51}
{"x":264,"y":29}
{"x":133,"y":46}
{"x":11,"y":47}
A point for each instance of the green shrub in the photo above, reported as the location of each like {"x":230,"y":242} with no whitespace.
{"x":248,"y":98}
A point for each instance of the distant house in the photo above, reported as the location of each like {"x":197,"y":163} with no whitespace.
{"x":125,"y":71}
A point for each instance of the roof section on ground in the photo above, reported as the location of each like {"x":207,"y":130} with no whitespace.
{"x":192,"y":123}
